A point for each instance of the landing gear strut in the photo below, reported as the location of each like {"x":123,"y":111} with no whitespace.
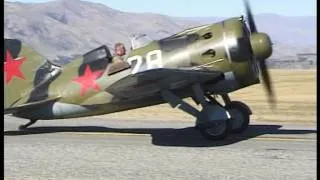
{"x":32,"y":121}
{"x":213,"y":121}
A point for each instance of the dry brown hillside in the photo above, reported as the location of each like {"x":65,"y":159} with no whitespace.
{"x":70,"y":27}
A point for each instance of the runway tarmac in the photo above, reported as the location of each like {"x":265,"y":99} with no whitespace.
{"x":98,"y":148}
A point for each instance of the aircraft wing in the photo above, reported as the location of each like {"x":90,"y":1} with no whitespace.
{"x":153,"y":81}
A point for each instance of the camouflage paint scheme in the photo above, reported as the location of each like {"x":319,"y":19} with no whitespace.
{"x":218,"y":56}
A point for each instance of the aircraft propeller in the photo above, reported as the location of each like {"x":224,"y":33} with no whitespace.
{"x":262,"y":49}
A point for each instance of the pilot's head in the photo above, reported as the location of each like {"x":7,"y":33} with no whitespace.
{"x":119,"y":49}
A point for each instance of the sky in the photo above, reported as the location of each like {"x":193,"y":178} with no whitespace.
{"x":208,"y":8}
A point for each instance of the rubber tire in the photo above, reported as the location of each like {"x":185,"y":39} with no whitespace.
{"x":221,"y":136}
{"x":245,"y":114}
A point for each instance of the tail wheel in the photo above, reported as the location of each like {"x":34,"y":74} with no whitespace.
{"x":240,"y":116}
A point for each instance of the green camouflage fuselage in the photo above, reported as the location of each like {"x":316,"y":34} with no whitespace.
{"x":221,"y":47}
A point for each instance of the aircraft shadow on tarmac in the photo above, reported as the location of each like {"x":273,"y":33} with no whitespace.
{"x":185,"y":137}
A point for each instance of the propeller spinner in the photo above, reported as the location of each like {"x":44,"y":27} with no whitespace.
{"x":262,"y":49}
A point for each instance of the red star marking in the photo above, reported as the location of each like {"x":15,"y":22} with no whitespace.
{"x":87,"y":80}
{"x":12,"y":67}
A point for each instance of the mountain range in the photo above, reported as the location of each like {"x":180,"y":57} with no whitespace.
{"x":67,"y":28}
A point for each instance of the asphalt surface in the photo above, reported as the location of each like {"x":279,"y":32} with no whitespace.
{"x":98,"y":148}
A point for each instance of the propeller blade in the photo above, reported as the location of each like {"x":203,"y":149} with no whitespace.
{"x":267,"y":82}
{"x":262,"y":62}
{"x":251,"y":22}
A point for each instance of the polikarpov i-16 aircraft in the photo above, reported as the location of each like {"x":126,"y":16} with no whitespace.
{"x":200,"y":63}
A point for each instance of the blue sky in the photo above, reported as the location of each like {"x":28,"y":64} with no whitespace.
{"x":207,"y":8}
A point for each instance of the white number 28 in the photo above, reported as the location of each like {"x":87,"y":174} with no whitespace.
{"x":153,"y":60}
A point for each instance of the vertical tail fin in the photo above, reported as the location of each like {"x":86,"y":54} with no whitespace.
{"x":21,"y":72}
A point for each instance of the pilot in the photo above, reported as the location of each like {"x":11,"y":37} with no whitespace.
{"x":118,"y":60}
{"x":119,"y":52}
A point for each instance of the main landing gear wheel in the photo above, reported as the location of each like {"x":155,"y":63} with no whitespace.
{"x":216,"y":130}
{"x":240,"y":116}
{"x":214,"y":122}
